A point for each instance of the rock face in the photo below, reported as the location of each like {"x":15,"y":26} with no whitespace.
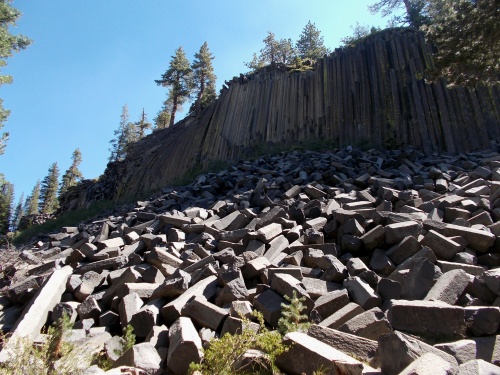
{"x":359,"y":235}
{"x":363,"y":95}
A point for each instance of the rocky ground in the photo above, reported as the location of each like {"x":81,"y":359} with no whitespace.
{"x":396,"y":253}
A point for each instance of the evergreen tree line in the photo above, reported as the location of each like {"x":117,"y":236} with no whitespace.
{"x":127,"y":133}
{"x":43,"y":198}
{"x":184,"y":81}
{"x":309,"y":46}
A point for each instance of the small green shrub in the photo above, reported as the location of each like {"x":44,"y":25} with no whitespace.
{"x":104,"y":362}
{"x":292,"y":319}
{"x":54,"y":356}
{"x":223,"y":353}
{"x":129,"y":337}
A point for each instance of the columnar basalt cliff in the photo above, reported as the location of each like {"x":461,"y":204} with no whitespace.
{"x":372,"y":94}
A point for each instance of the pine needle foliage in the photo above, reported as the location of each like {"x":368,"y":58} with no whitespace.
{"x":292,"y":319}
{"x":54,"y":356}
{"x":224,"y":352}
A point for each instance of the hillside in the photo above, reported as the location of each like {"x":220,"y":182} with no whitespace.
{"x":394,"y":256}
{"x":371,"y":95}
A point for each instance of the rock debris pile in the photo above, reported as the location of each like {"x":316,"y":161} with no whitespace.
{"x":396,"y":253}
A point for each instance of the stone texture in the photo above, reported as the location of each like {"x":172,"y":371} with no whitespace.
{"x":143,"y":356}
{"x":308,"y":354}
{"x":449,"y":287}
{"x":185,"y":346}
{"x":462,"y":350}
{"x":35,"y":314}
{"x":355,"y":346}
{"x":398,"y":350}
{"x":424,"y":318}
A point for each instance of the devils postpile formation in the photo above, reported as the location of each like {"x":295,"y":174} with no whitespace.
{"x":396,"y":254}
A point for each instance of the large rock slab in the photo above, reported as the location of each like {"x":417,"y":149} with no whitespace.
{"x":206,"y":287}
{"x":307,"y":354}
{"x":425,"y":319}
{"x":143,"y":356}
{"x":185,"y":346}
{"x":398,"y":350}
{"x":35,"y":314}
{"x":449,"y":287}
{"x":429,"y":364}
{"x":355,"y":346}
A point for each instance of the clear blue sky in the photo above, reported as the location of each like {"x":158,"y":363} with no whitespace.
{"x":90,"y":57}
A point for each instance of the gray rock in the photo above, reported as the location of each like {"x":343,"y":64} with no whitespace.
{"x":398,"y":350}
{"x":362,"y":293}
{"x":429,"y":364}
{"x":307,"y":354}
{"x":269,"y":304}
{"x":355,"y":346}
{"x":424,"y":318}
{"x":342,"y":315}
{"x":204,"y":313}
{"x":482,"y":320}
{"x":147,"y":317}
{"x":449,"y":287}
{"x":329,"y":303}
{"x":143,"y":356}
{"x":462,"y":350}
{"x":478,"y":367}
{"x":185,"y":346}
{"x":370,"y":324}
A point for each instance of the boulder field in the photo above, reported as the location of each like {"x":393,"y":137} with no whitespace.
{"x":395,"y":253}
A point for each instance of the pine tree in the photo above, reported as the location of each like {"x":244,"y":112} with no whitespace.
{"x":286,"y":52}
{"x":33,"y":200}
{"x":256,"y":63}
{"x":18,"y":213}
{"x":274,"y":52}
{"x":414,"y":15}
{"x":72,"y":175}
{"x":142,"y":125}
{"x":360,"y":32}
{"x":270,"y":51}
{"x":125,"y":135}
{"x":8,"y":44}
{"x":467,"y":36}
{"x":310,"y":44}
{"x":48,"y":191}
{"x":6,"y":202}
{"x":203,"y":79}
{"x":178,"y":78}
{"x":162,"y":119}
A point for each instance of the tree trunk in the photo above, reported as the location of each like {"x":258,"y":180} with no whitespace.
{"x":174,"y":109}
{"x":200,"y":95}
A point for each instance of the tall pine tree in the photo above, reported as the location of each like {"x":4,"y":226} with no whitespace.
{"x":467,"y":36}
{"x":6,"y":202}
{"x":179,"y":79}
{"x":142,"y":125}
{"x":73,"y":175}
{"x":18,"y":213}
{"x":274,"y":51}
{"x":162,"y":119}
{"x":33,"y":201}
{"x":48,"y":191}
{"x":203,"y":78}
{"x":310,"y":44}
{"x":124,"y":136}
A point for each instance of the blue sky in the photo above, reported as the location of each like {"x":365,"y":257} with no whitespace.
{"x":89,"y":58}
